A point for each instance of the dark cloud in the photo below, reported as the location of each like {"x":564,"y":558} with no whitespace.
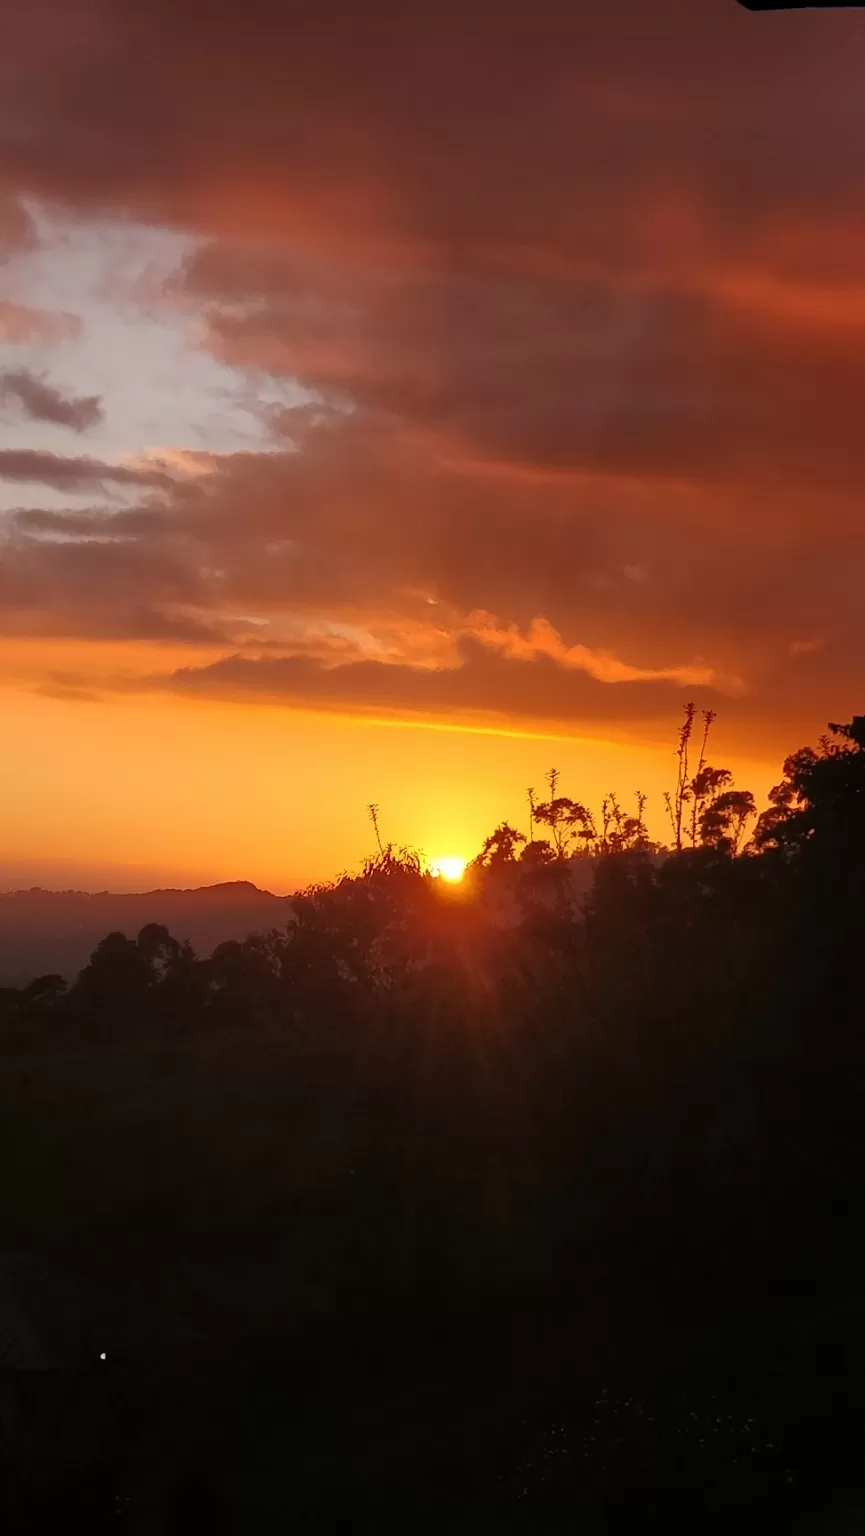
{"x":358,"y":541}
{"x":104,"y":588}
{"x":483,"y":686}
{"x":92,"y":523}
{"x":74,"y":474}
{"x":486,"y":688}
{"x":580,"y":294}
{"x":494,"y":121}
{"x":700,"y":380}
{"x":41,"y":401}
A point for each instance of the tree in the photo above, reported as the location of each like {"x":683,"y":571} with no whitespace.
{"x":821,"y":798}
{"x":676,"y":803}
{"x":499,"y":848}
{"x":621,"y":833}
{"x":116,"y":965}
{"x":242,"y":978}
{"x":537,"y":852}
{"x":724,"y":820}
{"x":719,"y":814}
{"x":571,"y":823}
{"x":162,"y":955}
{"x":699,"y":784}
{"x":373,"y":816}
{"x":44,"y":992}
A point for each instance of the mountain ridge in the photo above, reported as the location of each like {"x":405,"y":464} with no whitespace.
{"x":55,"y":932}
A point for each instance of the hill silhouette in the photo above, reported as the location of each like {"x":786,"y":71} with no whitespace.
{"x":56,"y":931}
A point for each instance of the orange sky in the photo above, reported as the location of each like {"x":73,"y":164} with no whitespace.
{"x":207,"y":791}
{"x":388,"y":411}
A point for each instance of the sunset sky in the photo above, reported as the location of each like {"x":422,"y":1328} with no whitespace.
{"x":397,"y":399}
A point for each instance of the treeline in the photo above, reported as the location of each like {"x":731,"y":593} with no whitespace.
{"x":156,"y":980}
{"x":704,"y":810}
{"x":663,"y":1078}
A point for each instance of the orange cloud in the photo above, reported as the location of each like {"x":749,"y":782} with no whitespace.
{"x":21,"y":323}
{"x":603,"y":316}
{"x":543,"y":640}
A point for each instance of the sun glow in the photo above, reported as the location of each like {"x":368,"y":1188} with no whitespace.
{"x":450,"y":868}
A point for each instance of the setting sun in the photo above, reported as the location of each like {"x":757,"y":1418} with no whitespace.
{"x":450,"y":868}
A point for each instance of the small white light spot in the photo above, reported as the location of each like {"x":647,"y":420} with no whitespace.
{"x":103,"y":1355}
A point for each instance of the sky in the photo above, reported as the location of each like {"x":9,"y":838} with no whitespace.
{"x":399,"y":400}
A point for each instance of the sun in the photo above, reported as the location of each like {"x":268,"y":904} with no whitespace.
{"x":449,"y":868}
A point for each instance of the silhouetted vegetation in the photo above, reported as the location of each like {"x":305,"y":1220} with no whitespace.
{"x":597,"y":1090}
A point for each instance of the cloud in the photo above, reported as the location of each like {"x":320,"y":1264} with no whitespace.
{"x":93,"y":523}
{"x":557,"y":116}
{"x":20,"y":323}
{"x":362,"y":547}
{"x":543,"y":640}
{"x":688,"y":376}
{"x":485,"y":689}
{"x":66,"y":692}
{"x":78,"y":576}
{"x":41,"y":401}
{"x":807,"y":647}
{"x":482,"y":688}
{"x":16,"y":226}
{"x":603,"y":315}
{"x":74,"y":474}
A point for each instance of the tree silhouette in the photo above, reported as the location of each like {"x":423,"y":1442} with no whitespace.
{"x":724,"y":821}
{"x":571,"y":823}
{"x":621,"y":833}
{"x":44,"y":992}
{"x":162,"y":955}
{"x":821,"y":798}
{"x":676,"y":804}
{"x":700,"y":785}
{"x":537,"y":853}
{"x":373,"y":816}
{"x":499,"y":848}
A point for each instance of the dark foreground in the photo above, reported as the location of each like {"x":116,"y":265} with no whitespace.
{"x":525,"y":1211}
{"x":750,"y":1423}
{"x":265,"y":1374}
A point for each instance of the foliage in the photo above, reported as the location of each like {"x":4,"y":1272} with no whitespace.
{"x":499,"y":848}
{"x":571,"y":823}
{"x":822,"y":795}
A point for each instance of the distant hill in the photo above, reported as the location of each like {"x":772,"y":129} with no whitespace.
{"x":45,"y":932}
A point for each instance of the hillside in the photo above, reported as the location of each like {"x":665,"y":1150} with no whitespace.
{"x":44,"y":932}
